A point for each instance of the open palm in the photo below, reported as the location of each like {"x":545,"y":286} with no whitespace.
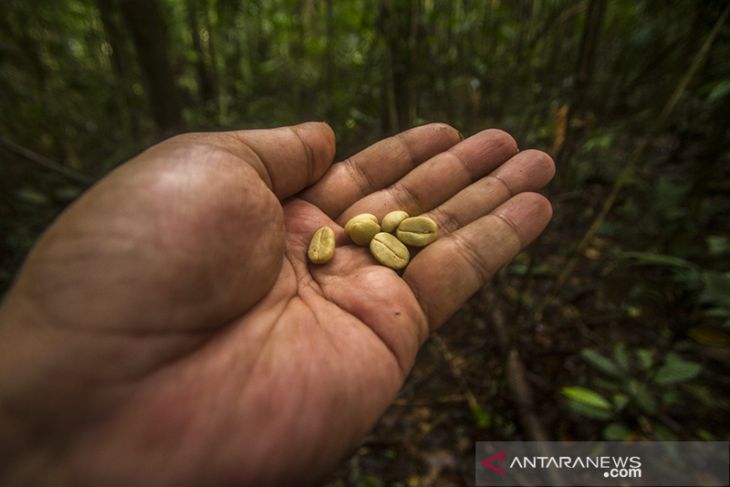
{"x":168,"y":329}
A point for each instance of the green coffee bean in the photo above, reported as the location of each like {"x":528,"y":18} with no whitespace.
{"x":389,"y":251}
{"x":362,"y":228}
{"x":392,"y":220}
{"x":417,"y":231}
{"x":322,"y":246}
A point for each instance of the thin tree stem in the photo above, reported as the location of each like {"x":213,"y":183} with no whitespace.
{"x":46,"y":163}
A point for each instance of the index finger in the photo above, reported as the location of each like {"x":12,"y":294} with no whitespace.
{"x":378,"y":166}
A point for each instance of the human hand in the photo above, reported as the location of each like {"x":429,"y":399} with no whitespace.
{"x":168,"y":329}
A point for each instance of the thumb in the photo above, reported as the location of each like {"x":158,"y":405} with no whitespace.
{"x":288,"y":159}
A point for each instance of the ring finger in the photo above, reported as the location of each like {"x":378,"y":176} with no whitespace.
{"x":527,"y":171}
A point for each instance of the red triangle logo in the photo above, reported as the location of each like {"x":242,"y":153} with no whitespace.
{"x":499,"y":456}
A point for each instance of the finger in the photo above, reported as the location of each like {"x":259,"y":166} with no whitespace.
{"x":446,"y":273}
{"x":442,"y":176}
{"x":529,"y":170}
{"x":288,"y":159}
{"x":378,"y":166}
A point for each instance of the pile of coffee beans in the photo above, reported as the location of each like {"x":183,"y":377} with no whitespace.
{"x":387,"y":240}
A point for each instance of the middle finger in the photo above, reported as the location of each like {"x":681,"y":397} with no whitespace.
{"x":437,"y":179}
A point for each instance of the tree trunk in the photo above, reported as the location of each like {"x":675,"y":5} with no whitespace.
{"x":258,"y":47}
{"x":397,"y":27}
{"x":146,"y":23}
{"x":228,"y":13}
{"x":119,"y":57}
{"x":213,"y":54}
{"x":575,"y":123}
{"x":330,"y":62}
{"x":205,"y":80}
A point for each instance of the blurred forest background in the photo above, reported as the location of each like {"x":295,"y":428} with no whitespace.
{"x":614,"y":325}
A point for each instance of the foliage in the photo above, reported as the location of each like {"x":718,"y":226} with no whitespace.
{"x":639,"y":385}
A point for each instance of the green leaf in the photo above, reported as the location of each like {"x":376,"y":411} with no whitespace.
{"x":600,"y":362}
{"x":586,"y":396}
{"x":643,"y":398}
{"x":719,"y":90}
{"x":621,"y":357}
{"x":708,"y":335}
{"x":646,"y":358}
{"x":481,"y":417}
{"x":671,"y":397}
{"x":718,"y":312}
{"x":662,"y":433}
{"x":616,"y":432}
{"x":717,"y":289}
{"x":620,"y":400}
{"x":599,"y":142}
{"x":648,"y":258}
{"x":702,"y":394}
{"x":705,"y":435}
{"x":718,"y":245}
{"x":589,"y":411}
{"x":32,"y":196}
{"x":67,"y":193}
{"x":675,"y":370}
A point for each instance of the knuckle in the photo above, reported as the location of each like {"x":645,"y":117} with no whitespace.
{"x":476,"y":261}
{"x":446,"y":220}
